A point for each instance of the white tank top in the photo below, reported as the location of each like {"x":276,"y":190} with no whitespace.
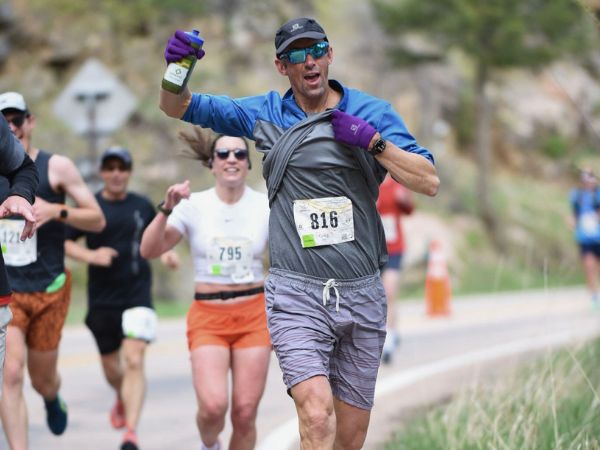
{"x":227,"y":242}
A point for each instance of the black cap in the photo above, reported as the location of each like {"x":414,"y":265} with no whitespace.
{"x":297,"y":29}
{"x":120,"y":153}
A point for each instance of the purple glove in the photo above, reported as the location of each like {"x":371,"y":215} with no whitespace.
{"x":351,"y":130}
{"x":178,"y":46}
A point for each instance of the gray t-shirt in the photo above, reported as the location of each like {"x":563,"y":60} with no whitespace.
{"x":322,"y":167}
{"x":319,"y":167}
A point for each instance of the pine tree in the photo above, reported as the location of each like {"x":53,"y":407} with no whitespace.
{"x":494,"y":34}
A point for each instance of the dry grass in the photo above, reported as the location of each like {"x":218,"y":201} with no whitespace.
{"x":551,"y":404}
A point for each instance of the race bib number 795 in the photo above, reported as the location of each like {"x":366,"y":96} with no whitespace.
{"x":232,"y":257}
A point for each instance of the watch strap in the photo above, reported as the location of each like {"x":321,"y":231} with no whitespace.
{"x":162,"y":209}
{"x":378,"y":147}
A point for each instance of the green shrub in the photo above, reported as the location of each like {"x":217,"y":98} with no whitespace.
{"x":555,"y":146}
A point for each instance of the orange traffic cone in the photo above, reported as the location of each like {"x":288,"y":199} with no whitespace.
{"x":437,"y":282}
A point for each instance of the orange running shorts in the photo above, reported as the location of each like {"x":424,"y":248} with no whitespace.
{"x":236,"y":325}
{"x":41,"y":315}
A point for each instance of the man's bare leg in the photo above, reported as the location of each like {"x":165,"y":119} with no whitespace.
{"x":13,"y":408}
{"x":314,"y":405}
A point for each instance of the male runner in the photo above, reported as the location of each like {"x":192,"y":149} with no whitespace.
{"x":41,"y":285}
{"x":327,"y":148}
{"x":20,"y":174}
{"x":120,"y":313}
{"x":394,"y":202}
{"x":585,"y":220}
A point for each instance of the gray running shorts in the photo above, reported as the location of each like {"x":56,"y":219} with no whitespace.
{"x":312,"y":339}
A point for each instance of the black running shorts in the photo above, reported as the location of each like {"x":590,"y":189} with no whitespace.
{"x":105,"y":325}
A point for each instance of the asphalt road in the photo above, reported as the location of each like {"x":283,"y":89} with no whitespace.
{"x":483,"y":336}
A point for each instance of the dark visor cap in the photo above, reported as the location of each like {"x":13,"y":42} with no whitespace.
{"x":297,"y":29}
{"x":119,"y":153}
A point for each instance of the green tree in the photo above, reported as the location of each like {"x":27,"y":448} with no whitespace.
{"x":494,"y":34}
{"x":131,"y":16}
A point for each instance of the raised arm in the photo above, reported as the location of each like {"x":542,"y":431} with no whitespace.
{"x":412,"y":170}
{"x":64,"y":176}
{"x":409,"y":169}
{"x":159,"y":237}
{"x":178,"y":46}
{"x":174,"y":105}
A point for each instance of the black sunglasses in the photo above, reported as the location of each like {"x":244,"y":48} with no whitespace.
{"x":239,"y":153}
{"x":17,"y":120}
{"x":111,"y":167}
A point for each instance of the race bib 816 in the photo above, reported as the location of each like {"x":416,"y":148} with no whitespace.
{"x":324,"y":221}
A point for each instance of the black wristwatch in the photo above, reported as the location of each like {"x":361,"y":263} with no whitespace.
{"x":162,"y":209}
{"x":63,"y":214}
{"x":378,"y":147}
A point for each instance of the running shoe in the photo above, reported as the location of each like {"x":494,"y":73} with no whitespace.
{"x":215,"y":446}
{"x":117,"y":415}
{"x":130,"y":441}
{"x":56,"y":415}
{"x":389,"y":346}
{"x":595,"y":300}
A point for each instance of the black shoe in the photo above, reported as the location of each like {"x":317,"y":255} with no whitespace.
{"x":128,"y":445}
{"x":386,"y":357}
{"x":56,"y":415}
{"x":129,"y":441}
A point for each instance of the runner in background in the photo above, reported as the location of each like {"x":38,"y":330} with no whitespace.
{"x":120,"y":312}
{"x":585,"y":205}
{"x":226,"y":227}
{"x":394,"y":201}
{"x":41,"y":285}
{"x":20,"y":174}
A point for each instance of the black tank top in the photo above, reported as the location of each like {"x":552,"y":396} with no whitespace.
{"x":37,"y":276}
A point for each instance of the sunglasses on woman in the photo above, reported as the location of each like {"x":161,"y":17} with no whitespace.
{"x":239,"y":153}
{"x":298,"y":55}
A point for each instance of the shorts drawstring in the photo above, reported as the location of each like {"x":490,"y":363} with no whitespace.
{"x":331,"y":283}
